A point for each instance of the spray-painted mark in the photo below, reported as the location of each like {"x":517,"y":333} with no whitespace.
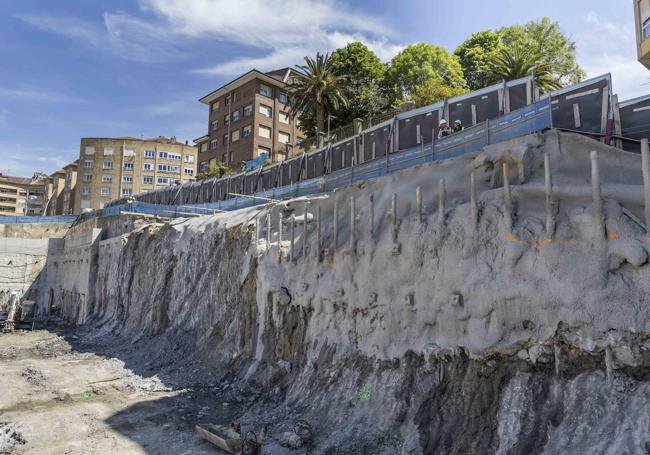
{"x":613,"y":235}
{"x":364,"y":393}
{"x":538,"y":243}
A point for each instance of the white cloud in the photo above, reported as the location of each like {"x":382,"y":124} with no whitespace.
{"x":610,"y":47}
{"x":19,"y":160}
{"x":30,"y":94}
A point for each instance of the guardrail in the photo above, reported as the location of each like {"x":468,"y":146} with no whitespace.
{"x":37,"y":219}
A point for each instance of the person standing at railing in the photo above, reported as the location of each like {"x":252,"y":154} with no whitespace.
{"x":443,"y":129}
{"x":458,"y":126}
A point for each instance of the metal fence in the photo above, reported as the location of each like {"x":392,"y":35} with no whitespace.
{"x":37,"y":219}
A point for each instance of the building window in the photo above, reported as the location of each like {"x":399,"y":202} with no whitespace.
{"x":107,"y":178}
{"x":646,"y":28}
{"x":90,"y":150}
{"x":85,"y":190}
{"x":150,"y":154}
{"x":215,"y":106}
{"x":188,"y":171}
{"x":128,"y":165}
{"x":105,"y":192}
{"x":127,"y":179}
{"x":147,"y":180}
{"x":126,"y":192}
{"x":266,"y":111}
{"x":226,"y":120}
{"x":168,"y":168}
{"x":225,"y":139}
{"x":235,"y":116}
{"x":226,"y":101}
{"x":264,"y":131}
{"x":283,"y":117}
{"x":283,"y":98}
{"x":235,"y":135}
{"x":263,"y":150}
{"x":88,"y":178}
{"x":265,"y":90}
{"x":213,"y":144}
{"x":162,"y":181}
{"x":214,"y":125}
{"x":232,"y":156}
{"x":147,"y":166}
{"x":189,"y":158}
{"x":128,"y":152}
{"x":247,"y":130}
{"x":89,"y":164}
{"x":109,"y":151}
{"x":248,"y":110}
{"x":203,"y":166}
{"x":283,"y":138}
{"x":224,"y":158}
{"x":108,"y":165}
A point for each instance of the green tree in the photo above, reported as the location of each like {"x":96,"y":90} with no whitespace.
{"x":474,"y":55}
{"x":315,"y":86}
{"x":218,"y":170}
{"x":418,"y":63}
{"x":434,"y":90}
{"x":519,"y":61}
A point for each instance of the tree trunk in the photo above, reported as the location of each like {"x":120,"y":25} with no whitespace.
{"x":320,"y":123}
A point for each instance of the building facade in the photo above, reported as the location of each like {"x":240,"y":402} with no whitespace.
{"x":642,"y":21}
{"x":21,"y":196}
{"x":112,"y":168}
{"x":248,"y":117}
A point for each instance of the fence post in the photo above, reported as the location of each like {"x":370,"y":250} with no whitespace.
{"x":487,"y":131}
{"x":268,"y":231}
{"x":371,"y":215}
{"x":318,"y":233}
{"x":352,"y":223}
{"x":293,"y":237}
{"x":441,"y":202}
{"x":280,"y":228}
{"x":548,"y":186}
{"x":473,"y":203}
{"x":418,"y":202}
{"x":507,"y":201}
{"x":393,"y":212}
{"x":645,"y":165}
{"x":597,"y":195}
{"x":433,"y":144}
{"x":336,"y":225}
{"x":304,"y":231}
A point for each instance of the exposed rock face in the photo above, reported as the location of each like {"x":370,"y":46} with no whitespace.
{"x":452,"y":337}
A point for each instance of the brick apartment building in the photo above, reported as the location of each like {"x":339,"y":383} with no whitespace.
{"x":112,"y":168}
{"x":22,"y":196}
{"x":247,"y":117}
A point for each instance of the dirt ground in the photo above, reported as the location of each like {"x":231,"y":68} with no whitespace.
{"x":55,"y":399}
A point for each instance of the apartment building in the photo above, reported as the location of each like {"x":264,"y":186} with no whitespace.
{"x":55,"y":187}
{"x":642,"y":22}
{"x":112,"y":168}
{"x":249,"y":116}
{"x":21,"y":196}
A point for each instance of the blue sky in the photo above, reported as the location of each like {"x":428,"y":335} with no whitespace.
{"x":76,"y":68}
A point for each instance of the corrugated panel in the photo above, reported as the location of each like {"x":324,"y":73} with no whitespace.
{"x":374,"y":143}
{"x":591,"y":99}
{"x":315,"y":164}
{"x":635,"y":122}
{"x":425,"y":123}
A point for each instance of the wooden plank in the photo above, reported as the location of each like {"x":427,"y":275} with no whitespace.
{"x":222,"y":437}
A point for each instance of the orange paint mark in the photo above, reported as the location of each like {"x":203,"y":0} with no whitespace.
{"x":613,"y":235}
{"x":538,"y":244}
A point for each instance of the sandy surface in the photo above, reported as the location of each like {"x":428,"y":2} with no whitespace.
{"x":58,"y":400}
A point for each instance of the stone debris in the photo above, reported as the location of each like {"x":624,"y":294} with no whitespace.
{"x":9,"y":438}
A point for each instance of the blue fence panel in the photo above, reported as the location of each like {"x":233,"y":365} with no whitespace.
{"x":37,"y":219}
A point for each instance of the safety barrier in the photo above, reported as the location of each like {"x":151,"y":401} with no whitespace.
{"x":37,"y":219}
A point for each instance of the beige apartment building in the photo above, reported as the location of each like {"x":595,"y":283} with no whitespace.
{"x":247,"y":117}
{"x":21,"y":196}
{"x":642,"y":23}
{"x":112,"y":168}
{"x":61,"y":191}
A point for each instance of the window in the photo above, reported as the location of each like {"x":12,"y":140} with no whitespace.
{"x":149,"y":154}
{"x":127,"y":179}
{"x":85,"y":190}
{"x":189,"y":158}
{"x":226,"y":120}
{"x":202,"y":167}
{"x":263,"y":150}
{"x":283,"y":138}
{"x":89,"y":164}
{"x":163,"y":181}
{"x":247,"y":130}
{"x":234,"y":136}
{"x":266,"y":111}
{"x":109,"y":151}
{"x":90,"y":150}
{"x":87,"y":178}
{"x":646,"y":28}
{"x":148,"y":167}
{"x":232,"y":156}
{"x":126,"y":192}
{"x":107,"y":178}
{"x":283,"y":98}
{"x":226,"y":101}
{"x":108,"y":165}
{"x":105,"y":192}
{"x":169,"y":168}
{"x":128,"y":165}
{"x":148,"y":180}
{"x":235,"y":115}
{"x":188,"y":171}
{"x":213,"y":144}
{"x":283,"y":117}
{"x":225,"y":139}
{"x":265,"y":90}
{"x":215,"y":106}
{"x":224,"y":158}
{"x":248,"y":110}
{"x":128,"y":152}
{"x":214,"y":125}
{"x":264,"y":131}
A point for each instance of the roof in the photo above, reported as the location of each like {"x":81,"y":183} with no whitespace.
{"x":275,"y":77}
{"x":159,"y":139}
{"x":15,"y":180}
{"x":201,"y":139}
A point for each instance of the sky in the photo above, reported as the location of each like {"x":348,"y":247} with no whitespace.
{"x":79,"y":68}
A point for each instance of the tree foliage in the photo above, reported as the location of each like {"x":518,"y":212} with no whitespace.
{"x":418,"y":63}
{"x":434,"y":90}
{"x":315,"y":86}
{"x":475,"y":54}
{"x":518,"y":61}
{"x":218,"y":170}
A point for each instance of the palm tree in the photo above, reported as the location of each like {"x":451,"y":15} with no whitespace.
{"x":315,"y":87}
{"x":518,"y":61}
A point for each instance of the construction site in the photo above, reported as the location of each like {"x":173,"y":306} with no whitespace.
{"x":388,"y":294}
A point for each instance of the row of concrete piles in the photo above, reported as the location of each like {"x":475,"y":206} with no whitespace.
{"x":321,"y":251}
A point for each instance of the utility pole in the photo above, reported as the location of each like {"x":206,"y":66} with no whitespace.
{"x":329,"y":118}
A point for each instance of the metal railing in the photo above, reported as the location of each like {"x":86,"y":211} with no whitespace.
{"x":37,"y":219}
